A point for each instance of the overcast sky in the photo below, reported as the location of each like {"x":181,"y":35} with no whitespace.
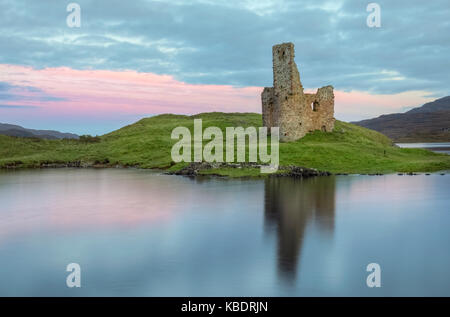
{"x":137,"y":58}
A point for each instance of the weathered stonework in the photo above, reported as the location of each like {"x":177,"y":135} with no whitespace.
{"x":286,"y":106}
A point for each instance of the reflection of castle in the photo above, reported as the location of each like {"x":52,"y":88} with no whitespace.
{"x":290,"y":204}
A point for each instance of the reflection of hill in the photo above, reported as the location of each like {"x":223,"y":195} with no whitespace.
{"x":290,"y":205}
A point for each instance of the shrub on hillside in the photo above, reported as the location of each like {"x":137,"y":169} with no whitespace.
{"x":89,"y":139}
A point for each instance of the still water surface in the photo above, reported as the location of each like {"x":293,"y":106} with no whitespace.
{"x":140,"y":233}
{"x":439,"y":147}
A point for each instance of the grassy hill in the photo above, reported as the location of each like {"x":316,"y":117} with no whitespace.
{"x":147,"y":144}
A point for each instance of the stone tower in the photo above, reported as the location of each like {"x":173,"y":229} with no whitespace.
{"x":286,"y":106}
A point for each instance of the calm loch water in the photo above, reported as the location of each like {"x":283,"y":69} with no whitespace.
{"x":140,"y":233}
{"x":439,"y":147}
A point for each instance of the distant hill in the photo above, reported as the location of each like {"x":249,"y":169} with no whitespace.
{"x":17,"y":130}
{"x":428,"y":123}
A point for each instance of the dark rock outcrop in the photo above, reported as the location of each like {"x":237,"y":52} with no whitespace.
{"x":298,"y":171}
{"x":194,"y":169}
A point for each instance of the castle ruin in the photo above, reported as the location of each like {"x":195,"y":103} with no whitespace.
{"x":286,"y":106}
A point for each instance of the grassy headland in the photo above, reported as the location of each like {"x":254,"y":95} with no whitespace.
{"x":147,"y":144}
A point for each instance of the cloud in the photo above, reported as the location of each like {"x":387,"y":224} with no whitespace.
{"x":17,"y":107}
{"x":29,"y":94}
{"x":91,"y":97}
{"x":229,"y":42}
{"x":136,"y":58}
{"x":98,"y":101}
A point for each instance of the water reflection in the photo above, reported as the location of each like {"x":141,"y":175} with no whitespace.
{"x":140,"y":233}
{"x":290,"y":206}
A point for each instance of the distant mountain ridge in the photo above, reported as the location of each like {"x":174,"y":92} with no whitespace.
{"x":442,"y":104}
{"x":428,"y":123}
{"x":17,"y":130}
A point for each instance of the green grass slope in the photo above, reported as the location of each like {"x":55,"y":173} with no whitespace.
{"x":147,"y":144}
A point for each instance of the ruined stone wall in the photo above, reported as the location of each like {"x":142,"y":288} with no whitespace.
{"x":267,"y":103}
{"x":325,"y":114}
{"x":286,"y":106}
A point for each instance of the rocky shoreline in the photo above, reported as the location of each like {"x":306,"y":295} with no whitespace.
{"x":75,"y":164}
{"x":194,"y":169}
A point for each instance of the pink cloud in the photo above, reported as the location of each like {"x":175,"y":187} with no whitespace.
{"x":105,"y":93}
{"x":356,"y":105}
{"x":93,"y":92}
